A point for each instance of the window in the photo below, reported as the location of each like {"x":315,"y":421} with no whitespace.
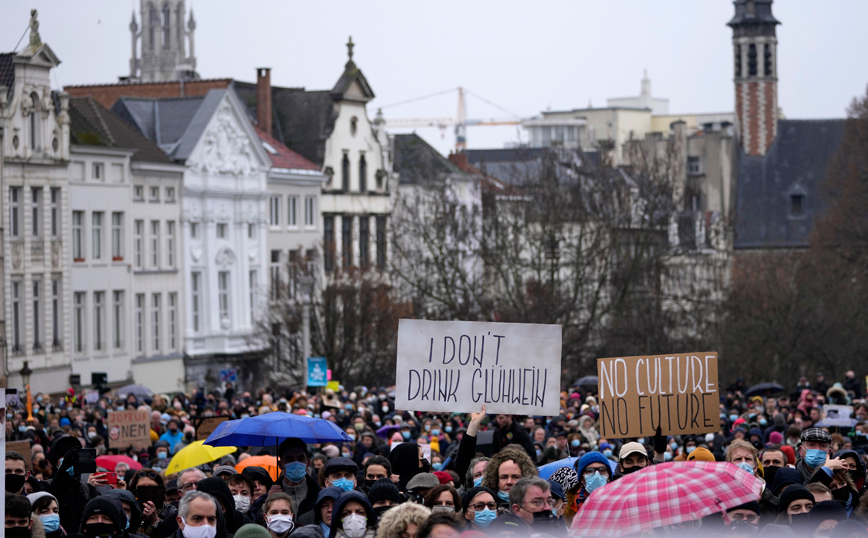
{"x":140,"y":323}
{"x":381,"y":242}
{"x":117,"y":234}
{"x":364,"y":244}
{"x":223,"y":295}
{"x":98,"y":320}
{"x":77,"y":236}
{"x":222,"y":230}
{"x":253,"y":286}
{"x":292,"y":277}
{"x":16,"y":316}
{"x":37,"y":315}
{"x":797,"y":202}
{"x":96,"y":231}
{"x":155,"y":244}
{"x":55,"y":207}
{"x":694,"y":165}
{"x":751,"y":60}
{"x":35,"y":213}
{"x":155,"y":320}
{"x":329,"y":242}
{"x":98,"y":171}
{"x":275,"y":274}
{"x":345,"y":173}
{"x":354,"y":125}
{"x":34,"y":122}
{"x":309,"y":211}
{"x":138,"y":193}
{"x":139,"y":244}
{"x":363,"y":174}
{"x":251,"y":231}
{"x":118,"y":319}
{"x":78,"y":321}
{"x":152,"y":27}
{"x":274,"y":211}
{"x":167,"y":30}
{"x":195,"y":298}
{"x":14,"y":211}
{"x":170,"y":195}
{"x":155,"y":194}
{"x":194,"y":230}
{"x":55,"y":314}
{"x":170,"y":243}
{"x":346,"y":241}
{"x":767,"y":59}
{"x":738,"y":61}
{"x":173,"y":320}
{"x":292,"y":211}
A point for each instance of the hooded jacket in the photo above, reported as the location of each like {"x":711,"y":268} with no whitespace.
{"x":314,"y":517}
{"x":405,"y":463}
{"x":122,"y":495}
{"x":859,"y":481}
{"x":336,"y":529}
{"x":217,"y":488}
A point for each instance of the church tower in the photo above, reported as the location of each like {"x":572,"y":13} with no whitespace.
{"x":756,"y":80}
{"x":163,"y":42}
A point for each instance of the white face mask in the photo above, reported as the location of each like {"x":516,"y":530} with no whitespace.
{"x":354,"y":525}
{"x":242,"y":503}
{"x":280,"y":523}
{"x":204,"y":531}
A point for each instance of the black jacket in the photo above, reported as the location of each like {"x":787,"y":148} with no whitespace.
{"x":515,"y":434}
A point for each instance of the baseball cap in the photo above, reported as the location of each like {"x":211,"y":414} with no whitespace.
{"x":632,"y":448}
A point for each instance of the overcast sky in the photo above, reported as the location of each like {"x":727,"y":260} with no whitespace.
{"x":524,"y":56}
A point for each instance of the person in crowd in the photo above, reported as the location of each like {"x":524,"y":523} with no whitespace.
{"x":199,"y":516}
{"x":407,"y":461}
{"x":814,"y":447}
{"x":384,"y":495}
{"x":19,"y":520}
{"x":262,"y":481}
{"x":44,"y":507}
{"x":440,"y":526}
{"x":352,"y":517}
{"x":376,"y":467}
{"x":480,"y":508}
{"x":443,"y":498}
{"x":530,"y":510}
{"x":794,"y":504}
{"x":403,"y":521}
{"x":16,"y":472}
{"x":296,"y":480}
{"x":340,"y":473}
{"x":632,"y":457}
{"x":103,"y":516}
{"x":278,"y":515}
{"x":743,"y":520}
{"x":593,"y":471}
{"x":504,"y":469}
{"x":132,"y":511}
{"x":241,"y":488}
{"x":420,"y":485}
{"x":149,"y":490}
{"x":217,"y":488}
{"x":318,"y":521}
{"x":67,"y":487}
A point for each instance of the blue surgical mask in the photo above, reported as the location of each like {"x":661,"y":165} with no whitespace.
{"x":435,"y":432}
{"x":538,"y":453}
{"x":51,"y":522}
{"x":641,"y":440}
{"x":128,"y":524}
{"x":594,"y":481}
{"x":503,"y":495}
{"x":437,"y":466}
{"x":448,"y":429}
{"x":344,"y":483}
{"x":405,"y":435}
{"x":733,"y":417}
{"x":477,"y":482}
{"x":748,"y":467}
{"x":295,"y":471}
{"x":674,"y":445}
{"x":667,"y":456}
{"x":162,"y":455}
{"x":815,"y":457}
{"x":575,"y":443}
{"x":607,"y":453}
{"x":22,"y":428}
{"x":352,"y":436}
{"x":690,"y":449}
{"x":763,"y":422}
{"x":483,"y":518}
{"x":378,"y":423}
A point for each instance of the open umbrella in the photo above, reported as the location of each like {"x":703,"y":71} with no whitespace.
{"x":587,"y":381}
{"x":764,"y":388}
{"x":110,"y":462}
{"x":546,"y":470}
{"x":665,"y":494}
{"x":195,"y":454}
{"x":269,"y":463}
{"x":387,"y":430}
{"x":139,"y":391}
{"x":272,"y":428}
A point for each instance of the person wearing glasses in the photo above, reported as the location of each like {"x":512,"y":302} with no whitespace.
{"x":188,"y":479}
{"x":594,"y":471}
{"x":149,"y":489}
{"x":480,"y":508}
{"x":530,"y":510}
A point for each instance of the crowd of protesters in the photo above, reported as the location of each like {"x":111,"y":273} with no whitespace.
{"x":414,"y":475}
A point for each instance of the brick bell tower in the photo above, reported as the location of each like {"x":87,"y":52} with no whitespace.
{"x":755,"y":49}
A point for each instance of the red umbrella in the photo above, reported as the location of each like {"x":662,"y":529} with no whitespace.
{"x":665,"y":494}
{"x":109,"y":462}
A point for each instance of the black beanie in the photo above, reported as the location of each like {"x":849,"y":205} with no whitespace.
{"x":753,"y":506}
{"x":791,"y":494}
{"x":473,"y":492}
{"x":384,"y":490}
{"x":827,"y":510}
{"x":260,"y":474}
{"x":107,"y":506}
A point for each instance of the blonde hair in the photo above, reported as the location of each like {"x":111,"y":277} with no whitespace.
{"x":739,"y":443}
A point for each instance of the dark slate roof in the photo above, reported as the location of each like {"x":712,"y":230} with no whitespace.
{"x":303,"y":120}
{"x":351,"y":73}
{"x":762,"y":13}
{"x":7,"y":71}
{"x":91,"y":124}
{"x":794,"y":165}
{"x":416,"y":162}
{"x":163,"y":121}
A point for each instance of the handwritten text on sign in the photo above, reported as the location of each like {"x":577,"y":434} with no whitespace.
{"x":456,"y":366}
{"x":677,"y":392}
{"x":129,"y":428}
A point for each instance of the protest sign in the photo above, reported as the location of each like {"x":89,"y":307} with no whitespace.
{"x":207,"y":425}
{"x":457,"y":366}
{"x":678,"y":392}
{"x":23,"y":448}
{"x":840,"y":416}
{"x":129,"y":428}
{"x":316,"y":372}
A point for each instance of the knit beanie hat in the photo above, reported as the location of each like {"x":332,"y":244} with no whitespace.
{"x":791,"y":494}
{"x":700,"y":453}
{"x":107,"y":506}
{"x":252,"y":530}
{"x":473,"y":492}
{"x":384,"y":490}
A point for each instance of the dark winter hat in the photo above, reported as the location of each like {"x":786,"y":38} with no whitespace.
{"x":340,"y":464}
{"x":791,"y":494}
{"x":786,"y":476}
{"x":816,"y":434}
{"x":827,"y":510}
{"x":60,"y":447}
{"x":473,"y":492}
{"x":258,"y":473}
{"x":384,"y":490}
{"x":753,"y":506}
{"x":107,"y":506}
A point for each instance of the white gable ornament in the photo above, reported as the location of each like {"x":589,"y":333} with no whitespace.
{"x":226,"y":149}
{"x":225,"y":257}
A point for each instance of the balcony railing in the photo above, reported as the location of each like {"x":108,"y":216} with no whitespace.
{"x":37,"y":253}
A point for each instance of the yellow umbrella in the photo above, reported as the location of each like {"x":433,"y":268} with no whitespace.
{"x":195,"y":454}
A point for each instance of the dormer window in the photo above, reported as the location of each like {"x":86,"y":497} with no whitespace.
{"x":797,"y":205}
{"x":354,"y":125}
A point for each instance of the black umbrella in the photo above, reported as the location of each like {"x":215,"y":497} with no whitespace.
{"x":587,"y":381}
{"x":764,"y":388}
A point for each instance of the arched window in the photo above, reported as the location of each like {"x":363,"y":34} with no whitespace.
{"x":34,"y":123}
{"x":153,"y":22}
{"x":363,"y":174}
{"x":345,"y":173}
{"x":167,"y":31}
{"x":179,"y":17}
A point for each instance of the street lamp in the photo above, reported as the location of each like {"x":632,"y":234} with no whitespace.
{"x":25,"y":377}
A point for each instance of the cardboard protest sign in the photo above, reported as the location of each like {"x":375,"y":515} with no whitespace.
{"x":457,"y":366}
{"x":679,"y":392}
{"x":23,"y":448}
{"x":207,"y":425}
{"x":837,"y":416}
{"x":129,"y":428}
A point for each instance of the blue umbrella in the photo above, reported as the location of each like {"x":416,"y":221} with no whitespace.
{"x":546,"y":470}
{"x":272,"y":428}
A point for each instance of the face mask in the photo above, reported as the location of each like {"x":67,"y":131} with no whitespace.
{"x":815,"y":457}
{"x":95,"y":529}
{"x":763,"y":422}
{"x":594,"y":481}
{"x":742,"y":528}
{"x":51,"y":522}
{"x":345,"y":454}
{"x":769,"y":473}
{"x":483,"y":518}
{"x":162,"y":455}
{"x":630,"y":470}
{"x":359,"y":426}
{"x":442,"y":509}
{"x":426,"y":465}
{"x":14,"y":482}
{"x":242,"y":503}
{"x":607,"y":453}
{"x":477,"y":482}
{"x":344,"y":483}
{"x":427,"y":427}
{"x":436,"y":466}
{"x":545,"y":519}
{"x":91,"y":435}
{"x":379,"y":511}
{"x":799,"y":520}
{"x":378,"y":423}
{"x":841,"y":494}
{"x":667,"y":456}
{"x":205,"y":531}
{"x":22,"y":428}
{"x":280,"y":523}
{"x":503,"y":495}
{"x":575,"y":443}
{"x":354,"y":525}
{"x":448,"y":429}
{"x":733,"y":417}
{"x":674,"y":445}
{"x":538,"y":453}
{"x":405,"y":435}
{"x":385,"y":408}
{"x":435,"y":433}
{"x":690,"y":449}
{"x":746,"y":466}
{"x":295,"y":471}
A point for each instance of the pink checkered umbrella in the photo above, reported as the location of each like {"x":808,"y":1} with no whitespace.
{"x":664,"y":494}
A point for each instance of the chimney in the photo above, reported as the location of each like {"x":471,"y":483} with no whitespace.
{"x":263,"y":98}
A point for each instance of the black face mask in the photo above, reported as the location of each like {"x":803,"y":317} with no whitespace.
{"x":426,"y":466}
{"x":742,"y":528}
{"x":799,"y":520}
{"x":841,"y":494}
{"x":14,"y":482}
{"x":856,"y":474}
{"x":368,"y":484}
{"x":769,"y":474}
{"x":545,"y":519}
{"x":632,"y":469}
{"x":18,"y":532}
{"x":380,"y":510}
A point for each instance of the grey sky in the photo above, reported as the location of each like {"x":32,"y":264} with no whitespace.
{"x":525,"y":56}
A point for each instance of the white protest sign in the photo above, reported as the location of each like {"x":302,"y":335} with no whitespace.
{"x":456,"y":366}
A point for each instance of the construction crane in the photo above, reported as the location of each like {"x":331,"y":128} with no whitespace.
{"x":459,"y":122}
